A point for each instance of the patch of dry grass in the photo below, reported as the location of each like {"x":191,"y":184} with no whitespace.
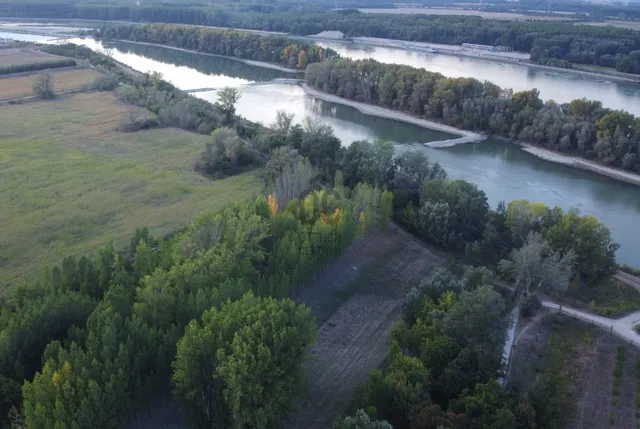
{"x":70,"y":183}
{"x":63,"y":80}
{"x":21,"y":56}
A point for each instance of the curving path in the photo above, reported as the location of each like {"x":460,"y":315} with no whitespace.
{"x":622,"y":327}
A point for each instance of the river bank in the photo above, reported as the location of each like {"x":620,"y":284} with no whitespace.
{"x":242,"y":60}
{"x":470,"y":137}
{"x":572,"y":161}
{"x":463,"y":136}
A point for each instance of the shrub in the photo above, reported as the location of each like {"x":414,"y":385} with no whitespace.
{"x":530,"y":306}
{"x":107,"y":82}
{"x":43,"y":87}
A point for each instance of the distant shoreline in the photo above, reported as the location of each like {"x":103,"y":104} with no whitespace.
{"x":392,"y":43}
{"x":242,"y":60}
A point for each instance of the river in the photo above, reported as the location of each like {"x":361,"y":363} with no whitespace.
{"x":559,"y":85}
{"x":501,"y":169}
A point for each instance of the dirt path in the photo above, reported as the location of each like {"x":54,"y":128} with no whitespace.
{"x":366,"y":289}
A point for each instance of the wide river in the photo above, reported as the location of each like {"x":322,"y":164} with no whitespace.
{"x":501,"y":169}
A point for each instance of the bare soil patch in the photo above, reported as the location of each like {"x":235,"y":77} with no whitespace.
{"x":21,"y":56}
{"x":367,"y":286}
{"x":63,"y":80}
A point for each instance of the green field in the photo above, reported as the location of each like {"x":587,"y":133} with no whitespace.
{"x":70,"y":183}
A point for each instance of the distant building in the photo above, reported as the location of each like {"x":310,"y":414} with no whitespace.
{"x":487,"y":47}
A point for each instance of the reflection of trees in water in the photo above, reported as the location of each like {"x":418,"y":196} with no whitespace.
{"x":202,"y":63}
{"x":385,"y":129}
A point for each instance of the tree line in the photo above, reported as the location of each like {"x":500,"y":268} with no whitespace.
{"x":549,"y":42}
{"x":99,"y":341}
{"x":272,"y":49}
{"x":582,"y":127}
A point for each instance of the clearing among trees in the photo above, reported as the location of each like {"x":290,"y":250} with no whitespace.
{"x":357,"y":302}
{"x":72,"y":183}
{"x":63,"y":80}
{"x":594,"y":375}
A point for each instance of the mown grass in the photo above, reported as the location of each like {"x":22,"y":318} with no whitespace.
{"x":70,"y":183}
{"x":63,"y":80}
{"x":609,"y":298}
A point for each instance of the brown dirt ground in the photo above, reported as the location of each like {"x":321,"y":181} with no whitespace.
{"x":19,"y":56}
{"x":366,"y":288}
{"x":64,"y":80}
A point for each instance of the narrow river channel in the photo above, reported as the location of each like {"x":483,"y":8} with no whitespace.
{"x":501,"y":169}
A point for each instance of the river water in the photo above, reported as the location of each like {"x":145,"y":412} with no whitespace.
{"x":559,"y":85}
{"x":501,"y":169}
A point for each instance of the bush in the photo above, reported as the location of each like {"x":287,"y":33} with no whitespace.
{"x":530,"y":306}
{"x":43,"y":87}
{"x":107,"y":82}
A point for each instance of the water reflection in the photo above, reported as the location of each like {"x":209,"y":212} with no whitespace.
{"x":559,"y":85}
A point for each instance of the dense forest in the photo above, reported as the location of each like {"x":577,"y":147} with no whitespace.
{"x":549,"y":42}
{"x":273,"y":49}
{"x":582,"y":127}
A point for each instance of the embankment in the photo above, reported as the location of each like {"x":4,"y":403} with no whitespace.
{"x":460,"y":136}
{"x":583,"y":164}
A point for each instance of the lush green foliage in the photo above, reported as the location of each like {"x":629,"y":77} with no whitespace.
{"x":241,"y":367}
{"x":444,"y":360}
{"x":581,"y":127}
{"x":273,"y":49}
{"x":37,"y":66}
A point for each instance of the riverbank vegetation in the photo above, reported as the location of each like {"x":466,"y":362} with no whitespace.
{"x":271,"y":49}
{"x":549,"y":42}
{"x":582,"y":127}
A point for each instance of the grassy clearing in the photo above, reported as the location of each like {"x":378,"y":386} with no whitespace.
{"x":63,"y":80}
{"x":71,"y":183}
{"x":610,"y":298}
{"x":22,"y":56}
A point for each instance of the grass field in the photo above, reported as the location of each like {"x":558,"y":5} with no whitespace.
{"x":21,"y":56}
{"x":507,"y":16}
{"x":63,"y":80}
{"x":70,"y":183}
